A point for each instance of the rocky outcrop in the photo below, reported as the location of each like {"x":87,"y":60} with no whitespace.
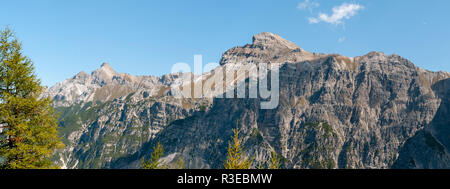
{"x":430,"y":147}
{"x":372,"y":111}
{"x":266,"y":48}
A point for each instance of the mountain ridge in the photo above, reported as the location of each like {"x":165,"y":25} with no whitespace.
{"x":334,"y":112}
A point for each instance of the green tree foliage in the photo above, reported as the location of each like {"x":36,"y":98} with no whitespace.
{"x":28,"y":124}
{"x":275,"y":161}
{"x":235,"y":158}
{"x":180,"y":163}
{"x":154,"y":161}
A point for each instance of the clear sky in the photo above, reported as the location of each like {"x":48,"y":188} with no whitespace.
{"x":64,"y":37}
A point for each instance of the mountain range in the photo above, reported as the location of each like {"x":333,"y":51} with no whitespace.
{"x":372,"y":111}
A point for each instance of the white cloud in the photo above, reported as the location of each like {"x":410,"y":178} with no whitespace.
{"x":342,"y":39}
{"x":344,"y":11}
{"x":308,"y":4}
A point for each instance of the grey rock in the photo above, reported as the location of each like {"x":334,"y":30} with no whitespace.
{"x":371,"y":111}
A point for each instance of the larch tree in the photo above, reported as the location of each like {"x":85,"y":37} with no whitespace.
{"x":28,"y":124}
{"x":275,"y":161}
{"x":155,"y":159}
{"x":236,"y":158}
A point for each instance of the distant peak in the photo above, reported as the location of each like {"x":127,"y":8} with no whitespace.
{"x":105,"y":64}
{"x":105,"y":71}
{"x":82,"y":73}
{"x":271,"y":39}
{"x":106,"y":67}
{"x":266,"y":35}
{"x":375,"y":53}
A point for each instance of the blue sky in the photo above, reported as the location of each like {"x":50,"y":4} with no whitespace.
{"x":148,"y":37}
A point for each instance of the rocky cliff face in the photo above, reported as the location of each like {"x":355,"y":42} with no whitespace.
{"x":372,"y":111}
{"x":430,"y":147}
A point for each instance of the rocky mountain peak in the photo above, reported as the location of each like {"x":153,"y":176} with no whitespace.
{"x":105,"y":67}
{"x":272,"y":41}
{"x":106,"y":64}
{"x":266,"y":48}
{"x":375,"y":55}
{"x":105,"y":73}
{"x":82,"y":74}
{"x":81,"y":77}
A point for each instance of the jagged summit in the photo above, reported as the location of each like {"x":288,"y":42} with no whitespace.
{"x":266,"y":48}
{"x":82,"y":74}
{"x":105,"y":64}
{"x":271,"y":40}
{"x":105,"y":84}
{"x":105,"y":67}
{"x":105,"y":73}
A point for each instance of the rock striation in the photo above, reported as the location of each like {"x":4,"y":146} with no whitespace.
{"x":371,"y":111}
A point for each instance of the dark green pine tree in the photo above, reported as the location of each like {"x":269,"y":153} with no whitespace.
{"x":28,"y":124}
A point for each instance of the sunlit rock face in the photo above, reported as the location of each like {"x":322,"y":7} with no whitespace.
{"x":371,"y":111}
